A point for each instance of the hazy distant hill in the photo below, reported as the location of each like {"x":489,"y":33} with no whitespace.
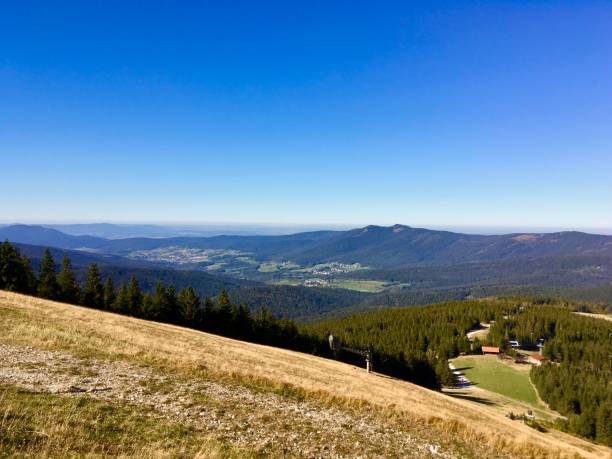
{"x":399,"y":246}
{"x":118,"y":231}
{"x":375,"y":246}
{"x":39,"y":235}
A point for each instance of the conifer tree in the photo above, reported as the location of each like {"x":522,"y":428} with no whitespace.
{"x":47,"y":281}
{"x":224,"y":311}
{"x":93,"y":293}
{"x":159,"y":304}
{"x":27,"y":279}
{"x":208,"y":312}
{"x":122,"y":302}
{"x":223,"y":300}
{"x":146,"y":306}
{"x":135,"y":297}
{"x":242,"y":322}
{"x":189,"y":304}
{"x":109,"y":294}
{"x":172,"y":304}
{"x":16,"y":274}
{"x":68,"y":288}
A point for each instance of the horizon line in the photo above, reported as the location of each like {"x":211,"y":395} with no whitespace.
{"x":507,"y":229}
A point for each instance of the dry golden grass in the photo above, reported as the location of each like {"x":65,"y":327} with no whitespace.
{"x":43,"y":425}
{"x":87,"y":332}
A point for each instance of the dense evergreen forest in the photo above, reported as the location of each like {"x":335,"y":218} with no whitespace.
{"x":417,"y":342}
{"x":577,"y":379}
{"x":577,"y":382}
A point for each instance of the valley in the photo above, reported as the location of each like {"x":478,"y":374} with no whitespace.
{"x":244,"y":265}
{"x":355,"y":269}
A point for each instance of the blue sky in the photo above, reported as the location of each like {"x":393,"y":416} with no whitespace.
{"x":425,"y":113}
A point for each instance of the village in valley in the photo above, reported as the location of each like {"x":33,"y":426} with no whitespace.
{"x":245,"y":265}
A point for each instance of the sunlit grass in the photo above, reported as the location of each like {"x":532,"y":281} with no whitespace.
{"x":44,"y":425}
{"x":487,"y":372}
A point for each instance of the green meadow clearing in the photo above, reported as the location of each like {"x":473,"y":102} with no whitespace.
{"x":488,"y":372}
{"x":371,"y":286}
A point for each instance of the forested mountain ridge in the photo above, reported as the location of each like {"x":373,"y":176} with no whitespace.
{"x":582,"y":277}
{"x":374,"y":246}
{"x":401,"y":245}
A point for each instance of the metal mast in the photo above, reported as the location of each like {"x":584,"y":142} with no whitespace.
{"x":335,"y":344}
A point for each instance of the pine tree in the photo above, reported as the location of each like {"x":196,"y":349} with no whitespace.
{"x":223,"y":301}
{"x":146,"y":307}
{"x":172,"y":304}
{"x":47,"y":282}
{"x":224,"y":312}
{"x":16,"y":274}
{"x":68,"y":287}
{"x":93,"y":293}
{"x":122,"y":302}
{"x":159,"y":304}
{"x":242,"y":322}
{"x":27,"y":279}
{"x":134,"y":297}
{"x":208,"y":313}
{"x":189,"y":304}
{"x":109,"y":294}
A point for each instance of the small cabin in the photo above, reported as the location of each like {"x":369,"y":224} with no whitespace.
{"x":536,"y":359}
{"x":490,"y":350}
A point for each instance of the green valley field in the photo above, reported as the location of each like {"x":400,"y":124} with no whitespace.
{"x":490,"y":373}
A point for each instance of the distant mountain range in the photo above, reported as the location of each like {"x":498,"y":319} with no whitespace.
{"x":374,"y":246}
{"x":414,"y":265}
{"x":124,"y":230}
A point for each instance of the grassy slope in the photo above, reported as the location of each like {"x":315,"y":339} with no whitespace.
{"x":84,"y":426}
{"x":459,"y":424}
{"x":489,"y":373}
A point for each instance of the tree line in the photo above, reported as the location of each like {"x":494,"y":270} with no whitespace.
{"x":164,"y":304}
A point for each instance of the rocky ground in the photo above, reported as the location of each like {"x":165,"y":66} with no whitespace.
{"x":242,"y":416}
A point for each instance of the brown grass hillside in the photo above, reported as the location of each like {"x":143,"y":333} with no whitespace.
{"x":80,"y":381}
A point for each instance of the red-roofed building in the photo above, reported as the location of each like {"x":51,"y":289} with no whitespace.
{"x":490,"y":350}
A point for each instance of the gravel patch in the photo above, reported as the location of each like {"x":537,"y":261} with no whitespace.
{"x":239,"y":415}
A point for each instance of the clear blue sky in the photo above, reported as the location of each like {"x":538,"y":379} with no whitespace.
{"x":429,"y":113}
